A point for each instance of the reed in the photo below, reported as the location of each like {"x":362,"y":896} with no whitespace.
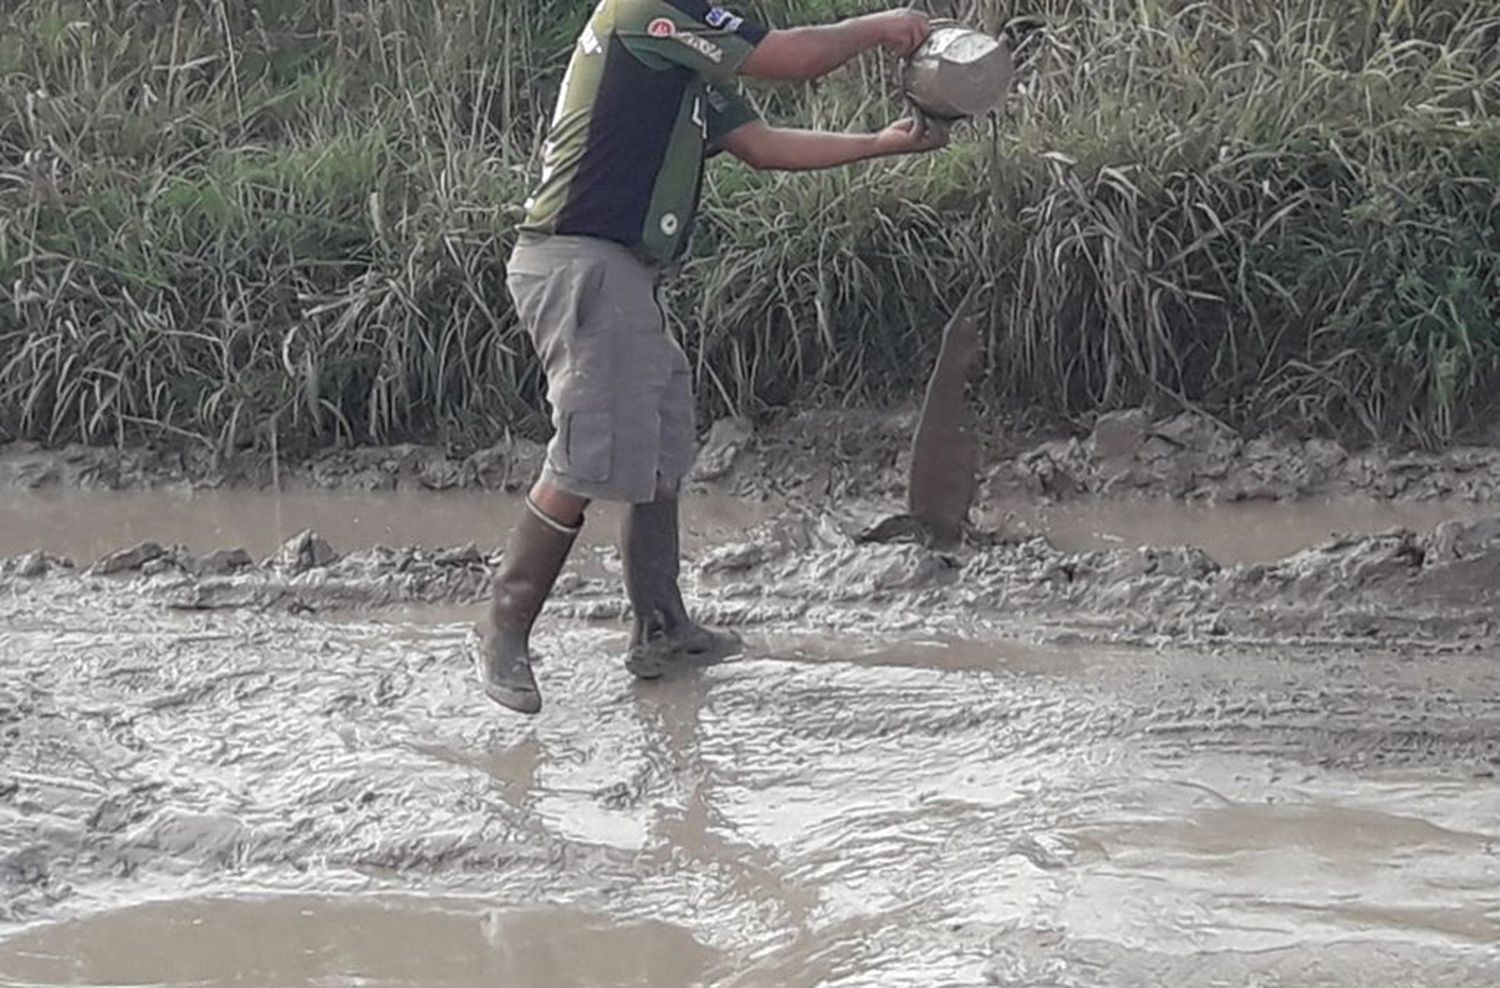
{"x":221,"y":221}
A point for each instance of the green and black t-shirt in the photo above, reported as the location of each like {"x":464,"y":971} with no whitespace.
{"x":649,"y":94}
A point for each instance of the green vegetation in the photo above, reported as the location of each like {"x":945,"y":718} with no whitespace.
{"x":237,"y":221}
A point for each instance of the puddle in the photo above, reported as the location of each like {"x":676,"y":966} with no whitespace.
{"x":1242,"y":532}
{"x":946,"y":652}
{"x":415,"y":622}
{"x":85,"y":525}
{"x":332,"y":941}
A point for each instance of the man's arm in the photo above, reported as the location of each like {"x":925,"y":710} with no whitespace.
{"x":813,"y":52}
{"x":779,"y":149}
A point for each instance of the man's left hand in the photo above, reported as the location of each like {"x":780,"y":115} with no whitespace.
{"x":902,"y":31}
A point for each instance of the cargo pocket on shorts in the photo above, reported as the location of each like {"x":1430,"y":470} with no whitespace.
{"x":588,"y":446}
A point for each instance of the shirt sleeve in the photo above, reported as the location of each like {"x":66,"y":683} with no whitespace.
{"x":710,"y":40}
{"x":728,"y":111}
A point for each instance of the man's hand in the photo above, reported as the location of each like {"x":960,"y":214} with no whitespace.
{"x":909,"y":137}
{"x":902,"y":31}
{"x":813,"y":52}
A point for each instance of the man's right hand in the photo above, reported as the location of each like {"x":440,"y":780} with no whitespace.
{"x":910,"y":137}
{"x":902,"y":31}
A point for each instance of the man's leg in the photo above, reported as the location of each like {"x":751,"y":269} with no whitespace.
{"x":649,"y":543}
{"x":539,"y":545}
{"x":664,"y":633}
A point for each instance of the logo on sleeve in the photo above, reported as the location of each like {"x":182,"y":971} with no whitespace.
{"x":664,"y":27}
{"x":722,"y":19}
{"x":701,"y":45}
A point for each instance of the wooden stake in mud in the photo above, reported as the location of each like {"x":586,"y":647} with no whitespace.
{"x":944,"y":451}
{"x":941,"y":483}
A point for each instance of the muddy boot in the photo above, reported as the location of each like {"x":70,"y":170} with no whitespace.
{"x":663,"y":633}
{"x":538,"y":547}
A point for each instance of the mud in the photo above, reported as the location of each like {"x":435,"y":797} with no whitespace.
{"x":1440,"y":587}
{"x":944,"y":453}
{"x":1069,"y":753}
{"x":1192,"y":456}
{"x":509,"y":465}
{"x":839,"y":455}
{"x":853,"y":455}
{"x":262,"y":795}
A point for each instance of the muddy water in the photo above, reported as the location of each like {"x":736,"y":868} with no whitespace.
{"x":310,"y":940}
{"x":264,"y":799}
{"x":85,"y":525}
{"x":1243,"y":532}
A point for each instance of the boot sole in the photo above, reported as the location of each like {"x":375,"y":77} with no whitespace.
{"x":525,"y":699}
{"x":521,"y":701}
{"x":650,"y":662}
{"x":645,"y":668}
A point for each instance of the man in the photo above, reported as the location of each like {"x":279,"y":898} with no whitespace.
{"x":649,"y":94}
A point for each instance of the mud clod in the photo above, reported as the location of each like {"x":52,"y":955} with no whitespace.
{"x":221,"y":562}
{"x":726,"y":440}
{"x":303,"y":552}
{"x":1119,"y":436}
{"x":1452,"y":540}
{"x":24,"y":867}
{"x":464,"y":555}
{"x":205,"y":837}
{"x":128,"y":560}
{"x":32,"y":565}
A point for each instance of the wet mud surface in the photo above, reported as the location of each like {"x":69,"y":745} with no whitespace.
{"x":1439,"y":588}
{"x":1075,"y":752}
{"x":833,"y":808}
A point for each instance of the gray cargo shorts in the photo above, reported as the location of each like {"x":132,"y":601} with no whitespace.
{"x":619,"y":385}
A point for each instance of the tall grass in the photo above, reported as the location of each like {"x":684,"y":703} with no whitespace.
{"x":232,"y":222}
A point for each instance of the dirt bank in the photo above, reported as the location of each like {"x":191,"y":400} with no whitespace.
{"x":839,"y":456}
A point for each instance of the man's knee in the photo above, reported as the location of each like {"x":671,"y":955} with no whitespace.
{"x":561,"y":506}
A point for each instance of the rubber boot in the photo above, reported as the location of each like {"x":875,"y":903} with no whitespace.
{"x":663,"y":632}
{"x":538,"y":548}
